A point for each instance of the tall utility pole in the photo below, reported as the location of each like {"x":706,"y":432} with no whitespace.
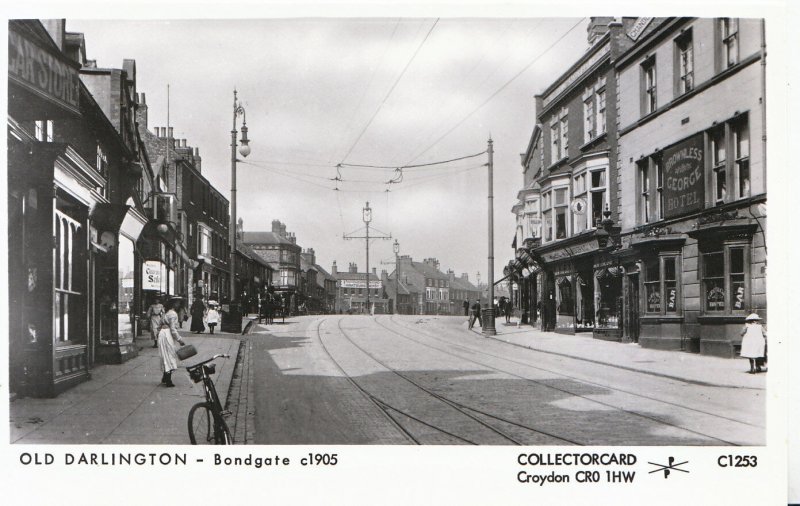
{"x":488,"y":324}
{"x":396,"y":277}
{"x":367,"y":217}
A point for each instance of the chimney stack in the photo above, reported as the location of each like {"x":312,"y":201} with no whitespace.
{"x":334,"y":270}
{"x":276,"y":227}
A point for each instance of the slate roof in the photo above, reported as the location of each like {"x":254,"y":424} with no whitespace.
{"x":265,"y":238}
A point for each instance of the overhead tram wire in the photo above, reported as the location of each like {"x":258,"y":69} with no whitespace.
{"x":499,"y":90}
{"x":396,"y":82}
{"x":408,"y":166}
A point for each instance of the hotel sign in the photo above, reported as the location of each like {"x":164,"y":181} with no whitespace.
{"x":42,"y":72}
{"x":684,"y":182}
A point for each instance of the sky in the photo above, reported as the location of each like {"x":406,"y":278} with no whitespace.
{"x":365,"y":91}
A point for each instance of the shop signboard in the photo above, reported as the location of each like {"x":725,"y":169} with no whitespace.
{"x":42,"y":72}
{"x":151,"y":275}
{"x":684,"y":183}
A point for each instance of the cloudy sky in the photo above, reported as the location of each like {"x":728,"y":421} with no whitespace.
{"x":371,"y":91}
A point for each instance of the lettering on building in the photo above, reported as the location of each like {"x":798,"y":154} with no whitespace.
{"x":684,"y":183}
{"x":41,"y":72}
{"x":638,"y":28}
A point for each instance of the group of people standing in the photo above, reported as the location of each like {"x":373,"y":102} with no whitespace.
{"x":503,"y":307}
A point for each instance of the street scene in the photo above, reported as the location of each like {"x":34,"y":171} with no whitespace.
{"x":405,"y":231}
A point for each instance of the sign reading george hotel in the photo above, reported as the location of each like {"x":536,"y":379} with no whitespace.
{"x":42,"y":72}
{"x":684,"y":184}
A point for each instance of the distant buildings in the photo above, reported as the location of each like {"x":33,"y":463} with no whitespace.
{"x":353,"y":287}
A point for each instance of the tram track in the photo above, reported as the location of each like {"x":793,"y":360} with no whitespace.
{"x":562,"y":390}
{"x":465,"y":410}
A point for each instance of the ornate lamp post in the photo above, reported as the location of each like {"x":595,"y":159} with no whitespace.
{"x":232,"y":319}
{"x":396,"y":248}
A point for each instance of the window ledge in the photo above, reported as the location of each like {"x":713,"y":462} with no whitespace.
{"x":594,"y":141}
{"x":723,"y":318}
{"x":558,"y":163}
{"x":661,"y":318}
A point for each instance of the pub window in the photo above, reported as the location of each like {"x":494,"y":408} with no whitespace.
{"x":729,"y":38}
{"x":741,"y":143}
{"x":661,"y":285}
{"x":725,"y":271}
{"x":719,"y":165}
{"x":729,"y":160}
{"x":685,"y":60}
{"x":649,"y":102}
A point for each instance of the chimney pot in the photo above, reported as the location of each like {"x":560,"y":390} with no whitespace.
{"x":143,"y":101}
{"x":170,"y":132}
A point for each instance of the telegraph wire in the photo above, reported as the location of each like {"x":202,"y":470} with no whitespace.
{"x":397,"y":81}
{"x":406,"y":166}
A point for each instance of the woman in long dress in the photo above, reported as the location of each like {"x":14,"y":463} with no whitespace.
{"x":155,"y":313}
{"x":168,"y":340}
{"x":198,"y":312}
{"x":754,"y":341}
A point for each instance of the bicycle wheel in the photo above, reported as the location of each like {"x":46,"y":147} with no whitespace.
{"x":223,"y":433}
{"x":201,"y":424}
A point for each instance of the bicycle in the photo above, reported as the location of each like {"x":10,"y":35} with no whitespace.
{"x":206,"y":419}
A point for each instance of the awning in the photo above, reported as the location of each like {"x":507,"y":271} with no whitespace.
{"x":108,"y":217}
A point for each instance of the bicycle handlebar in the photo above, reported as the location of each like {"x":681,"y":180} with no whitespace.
{"x":218,"y":355}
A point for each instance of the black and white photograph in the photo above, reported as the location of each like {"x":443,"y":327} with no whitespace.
{"x":323,"y":236}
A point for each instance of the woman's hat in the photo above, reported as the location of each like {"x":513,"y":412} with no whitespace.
{"x":752,"y":317}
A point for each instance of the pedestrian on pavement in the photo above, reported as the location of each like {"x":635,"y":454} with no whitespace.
{"x":198,"y":312}
{"x":754,"y":342}
{"x":476,"y":314}
{"x":212,"y":317}
{"x":167,"y":338}
{"x":466,"y":307}
{"x":508,"y":309}
{"x":155,"y":313}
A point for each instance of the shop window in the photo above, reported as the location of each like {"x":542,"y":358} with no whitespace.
{"x":609,"y":286}
{"x":729,"y":42}
{"x":685,"y":62}
{"x":69,"y":301}
{"x":661,"y":285}
{"x":725,"y":274}
{"x":648,"y":85}
{"x":565,"y":302}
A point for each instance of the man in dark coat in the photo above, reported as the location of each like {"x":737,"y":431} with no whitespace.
{"x":476,"y":314}
{"x":466,"y":307}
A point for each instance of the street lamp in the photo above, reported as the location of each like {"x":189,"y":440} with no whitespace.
{"x":233,"y":322}
{"x":396,"y":248}
{"x":367,"y":216}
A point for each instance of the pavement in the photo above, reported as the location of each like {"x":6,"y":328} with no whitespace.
{"x":687,"y":367}
{"x":126,"y":403}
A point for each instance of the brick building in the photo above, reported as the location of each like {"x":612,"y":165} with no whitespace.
{"x":352,"y":290}
{"x":280,"y":250}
